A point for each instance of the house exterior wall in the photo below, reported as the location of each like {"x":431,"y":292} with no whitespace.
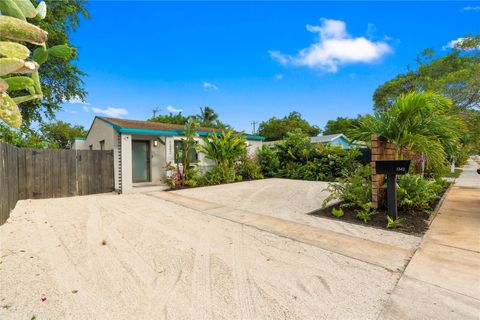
{"x":160,"y":155}
{"x":203,"y":163}
{"x":253,"y":146}
{"x":157,"y":156}
{"x":340,"y":141}
{"x":102,"y":131}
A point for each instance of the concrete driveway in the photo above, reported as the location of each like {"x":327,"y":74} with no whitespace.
{"x":240,"y":251}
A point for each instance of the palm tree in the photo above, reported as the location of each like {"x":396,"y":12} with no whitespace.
{"x":417,"y":123}
{"x":207,"y":116}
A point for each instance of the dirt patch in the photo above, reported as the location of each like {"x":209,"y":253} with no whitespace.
{"x":415,"y":223}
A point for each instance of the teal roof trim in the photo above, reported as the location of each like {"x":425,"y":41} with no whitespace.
{"x":79,"y":138}
{"x":166,"y":132}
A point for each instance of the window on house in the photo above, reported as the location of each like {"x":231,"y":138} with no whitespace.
{"x":102,"y":145}
{"x":90,"y":147}
{"x":178,"y":149}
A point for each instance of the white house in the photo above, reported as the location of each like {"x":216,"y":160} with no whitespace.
{"x":142,"y":149}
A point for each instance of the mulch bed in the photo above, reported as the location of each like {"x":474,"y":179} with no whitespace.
{"x":415,"y":223}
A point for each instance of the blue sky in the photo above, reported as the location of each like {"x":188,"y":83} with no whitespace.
{"x":253,"y":60}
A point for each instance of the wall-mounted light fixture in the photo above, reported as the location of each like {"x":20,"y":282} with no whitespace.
{"x":155,"y":143}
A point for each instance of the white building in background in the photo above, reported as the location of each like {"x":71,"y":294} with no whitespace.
{"x":142,"y":149}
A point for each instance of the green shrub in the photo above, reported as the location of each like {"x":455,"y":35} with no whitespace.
{"x":355,"y":190}
{"x":366,"y":212}
{"x":249,"y":169}
{"x":219,"y":175}
{"x":337,"y":213}
{"x":414,"y":193}
{"x":194,"y":178}
{"x":297,"y":157}
{"x":269,"y":161}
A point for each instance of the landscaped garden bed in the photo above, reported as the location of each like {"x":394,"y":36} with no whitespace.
{"x":413,"y":222}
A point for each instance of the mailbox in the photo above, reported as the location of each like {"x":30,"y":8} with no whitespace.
{"x":392,"y":166}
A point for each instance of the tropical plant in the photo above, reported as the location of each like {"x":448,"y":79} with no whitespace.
{"x":397,"y":223}
{"x":365,"y":213}
{"x":415,"y":193}
{"x":337,"y":213}
{"x":269,"y":161}
{"x":224,"y":149}
{"x":355,"y":191}
{"x":219,"y":175}
{"x":15,"y":31}
{"x":416,"y":123}
{"x":207,"y":116}
{"x":188,"y":144}
{"x":248,"y":168}
{"x":296,"y":157}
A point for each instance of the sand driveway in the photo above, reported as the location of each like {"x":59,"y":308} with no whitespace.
{"x":207,"y":253}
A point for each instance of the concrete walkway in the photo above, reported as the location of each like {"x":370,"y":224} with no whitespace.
{"x":442,"y":281}
{"x":387,"y":256}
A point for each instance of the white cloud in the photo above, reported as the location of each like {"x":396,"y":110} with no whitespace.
{"x":279,"y":76}
{"x":86,"y":108}
{"x":71,"y":111}
{"x":455,"y":42}
{"x":76,"y":100}
{"x":470,"y":8}
{"x":111,"y":112}
{"x":208,"y":85}
{"x":334,"y":47}
{"x":172,"y":109}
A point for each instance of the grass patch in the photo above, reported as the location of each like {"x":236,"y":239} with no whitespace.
{"x":456,"y":174}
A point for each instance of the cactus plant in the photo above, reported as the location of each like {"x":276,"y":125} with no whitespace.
{"x":14,"y":56}
{"x":3,"y":85}
{"x":16,"y":29}
{"x":18,"y":83}
{"x":13,"y":50}
{"x":27,"y":8}
{"x":9,"y":111}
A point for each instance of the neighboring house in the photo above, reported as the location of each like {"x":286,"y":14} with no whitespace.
{"x":142,"y":149}
{"x":338,"y":139}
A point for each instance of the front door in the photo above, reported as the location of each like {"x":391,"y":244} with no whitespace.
{"x":140,"y":161}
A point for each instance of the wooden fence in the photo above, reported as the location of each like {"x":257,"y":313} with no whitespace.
{"x":44,"y":173}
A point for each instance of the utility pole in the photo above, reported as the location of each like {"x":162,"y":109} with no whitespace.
{"x":254,"y":123}
{"x":155,"y":111}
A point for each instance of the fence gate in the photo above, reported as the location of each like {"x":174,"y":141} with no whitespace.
{"x":44,"y":173}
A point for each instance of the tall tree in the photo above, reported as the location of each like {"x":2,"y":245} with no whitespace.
{"x":341,"y":125}
{"x":207,"y":116}
{"x":416,"y":123}
{"x":171,"y":118}
{"x":24,"y":137}
{"x":59,"y":134}
{"x":60,"y":78}
{"x":455,"y":75}
{"x":276,"y":129}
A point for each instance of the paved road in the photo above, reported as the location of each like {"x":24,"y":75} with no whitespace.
{"x":442,"y":281}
